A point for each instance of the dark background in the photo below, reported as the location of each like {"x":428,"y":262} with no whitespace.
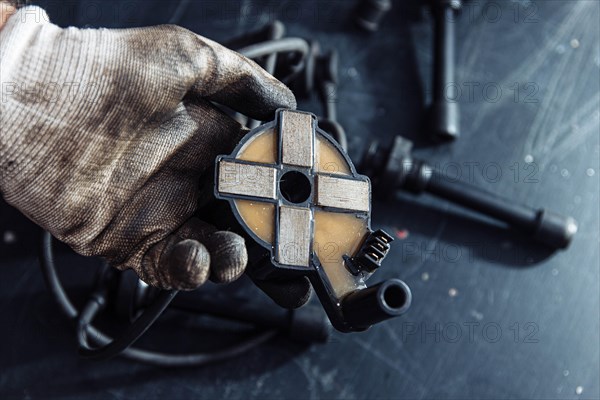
{"x":493,"y":316}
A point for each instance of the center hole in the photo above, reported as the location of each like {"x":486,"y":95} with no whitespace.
{"x":295,"y":187}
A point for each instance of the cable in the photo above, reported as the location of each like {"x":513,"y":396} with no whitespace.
{"x":149,"y":357}
{"x":277,"y":32}
{"x":271,"y":48}
{"x":286,"y":45}
{"x":185,"y":360}
{"x":52,"y":280}
{"x":133,"y":332}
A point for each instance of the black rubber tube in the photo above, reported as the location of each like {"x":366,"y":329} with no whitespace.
{"x":444,"y":53}
{"x":377,"y":303}
{"x":474,"y":198}
{"x":443,"y":116}
{"x":544,"y":226}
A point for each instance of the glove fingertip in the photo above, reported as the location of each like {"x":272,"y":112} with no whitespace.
{"x":229,"y":256}
{"x":187,"y":265}
{"x":273,"y":97}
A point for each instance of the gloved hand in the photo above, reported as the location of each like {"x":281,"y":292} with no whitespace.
{"x":106,"y":134}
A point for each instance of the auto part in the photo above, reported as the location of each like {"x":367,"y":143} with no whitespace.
{"x":396,"y":169}
{"x":443,"y":121}
{"x":296,"y":193}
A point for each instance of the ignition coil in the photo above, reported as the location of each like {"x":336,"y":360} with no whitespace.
{"x":296,"y":193}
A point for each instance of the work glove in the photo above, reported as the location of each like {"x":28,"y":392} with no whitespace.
{"x":106,"y":134}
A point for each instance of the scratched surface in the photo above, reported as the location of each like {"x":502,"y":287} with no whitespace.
{"x":493,"y":316}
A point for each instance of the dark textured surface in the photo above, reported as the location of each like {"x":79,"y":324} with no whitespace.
{"x":493,"y":316}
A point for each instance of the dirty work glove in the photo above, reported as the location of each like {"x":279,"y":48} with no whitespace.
{"x":106,"y":134}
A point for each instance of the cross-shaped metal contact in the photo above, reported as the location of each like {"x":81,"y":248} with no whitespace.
{"x":295,"y":186}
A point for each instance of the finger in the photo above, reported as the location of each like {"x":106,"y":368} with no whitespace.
{"x":228,"y":78}
{"x":186,"y":266}
{"x":179,"y":261}
{"x":288,"y":294}
{"x":194,"y":253}
{"x":228,"y":254}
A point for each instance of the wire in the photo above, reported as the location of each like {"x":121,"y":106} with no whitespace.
{"x":277,"y":32}
{"x":133,"y":332}
{"x":52,"y":280}
{"x":186,"y":360}
{"x":286,"y":45}
{"x":271,"y":48}
{"x":149,"y":357}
